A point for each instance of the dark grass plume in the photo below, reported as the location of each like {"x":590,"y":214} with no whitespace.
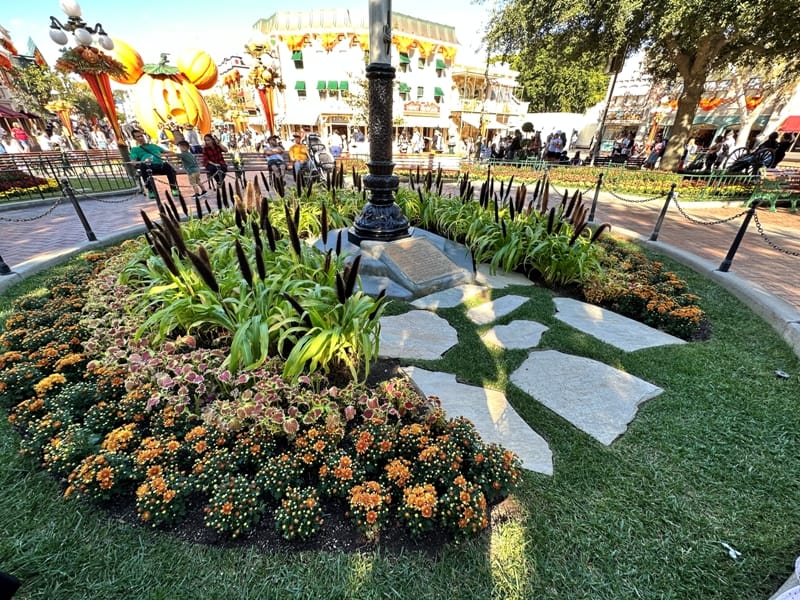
{"x":351,"y":275}
{"x":324,"y":223}
{"x":184,"y":208}
{"x":300,"y":310}
{"x":244,"y":265}
{"x":204,"y":270}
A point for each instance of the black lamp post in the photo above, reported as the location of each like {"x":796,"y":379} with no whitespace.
{"x":85,"y":35}
{"x":381,"y":219}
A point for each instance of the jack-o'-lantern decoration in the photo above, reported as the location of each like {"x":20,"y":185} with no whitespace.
{"x":198,"y":67}
{"x":164,"y":94}
{"x":131,"y":61}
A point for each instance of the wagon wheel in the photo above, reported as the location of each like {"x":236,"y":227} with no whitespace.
{"x":762,"y":158}
{"x":734,"y":156}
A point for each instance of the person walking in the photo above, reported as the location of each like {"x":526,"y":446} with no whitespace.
{"x":191,"y":167}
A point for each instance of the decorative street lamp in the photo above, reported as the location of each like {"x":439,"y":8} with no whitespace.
{"x":381,"y":219}
{"x":91,"y":63}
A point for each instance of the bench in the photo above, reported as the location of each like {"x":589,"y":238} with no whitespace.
{"x":778,"y":186}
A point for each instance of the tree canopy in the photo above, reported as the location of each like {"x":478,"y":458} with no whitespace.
{"x":682,"y":39}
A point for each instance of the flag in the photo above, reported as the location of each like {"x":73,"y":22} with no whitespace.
{"x":33,"y":50}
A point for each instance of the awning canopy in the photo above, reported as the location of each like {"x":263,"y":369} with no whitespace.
{"x":421,"y":122}
{"x":473,"y":120}
{"x":7,"y":113}
{"x":440,"y":64}
{"x":320,"y":85}
{"x":790,"y":124}
{"x":496,"y":125}
{"x":300,"y":85}
{"x":344,"y":85}
{"x":297,"y":55}
{"x":404,"y":87}
{"x":404,"y":58}
{"x":333,"y":85}
{"x":438,"y":93}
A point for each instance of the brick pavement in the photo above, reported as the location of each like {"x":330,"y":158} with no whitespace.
{"x":756,"y":261}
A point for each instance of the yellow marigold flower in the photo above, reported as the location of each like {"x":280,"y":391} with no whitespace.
{"x":48,"y":382}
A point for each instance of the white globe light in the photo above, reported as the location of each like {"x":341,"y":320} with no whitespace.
{"x":106,"y":42}
{"x":71,"y":8}
{"x":58,"y":36}
{"x":83,"y":36}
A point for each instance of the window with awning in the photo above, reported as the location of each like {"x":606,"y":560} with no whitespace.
{"x":790,"y":124}
{"x":404,"y":88}
{"x":404,"y":58}
{"x":333,"y":85}
{"x":300,"y":85}
{"x":297,"y":55}
{"x":344,"y":85}
{"x":440,"y":64}
{"x":438,"y":93}
{"x":320,"y":85}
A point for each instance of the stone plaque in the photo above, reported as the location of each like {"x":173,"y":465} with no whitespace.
{"x":420,"y":260}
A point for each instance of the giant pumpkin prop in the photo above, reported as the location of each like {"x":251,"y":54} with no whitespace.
{"x":131,"y":61}
{"x":198,"y":67}
{"x":162,"y":94}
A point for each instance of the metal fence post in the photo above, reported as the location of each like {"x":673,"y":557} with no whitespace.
{"x":4,"y":270}
{"x":71,"y":195}
{"x":596,"y":196}
{"x":726,"y":263}
{"x":657,"y":228}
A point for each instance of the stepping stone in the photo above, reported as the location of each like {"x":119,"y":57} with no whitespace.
{"x":609,"y":327}
{"x":501,"y":279}
{"x":491,"y":311}
{"x":450,"y":297}
{"x":515,"y":335}
{"x":493,"y":417}
{"x":594,"y":397}
{"x":416,"y":334}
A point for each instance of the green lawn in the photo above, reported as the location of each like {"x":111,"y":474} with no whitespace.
{"x":713,"y":459}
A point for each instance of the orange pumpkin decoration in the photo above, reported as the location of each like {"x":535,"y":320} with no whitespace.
{"x":163,"y":94}
{"x":199,"y":68}
{"x":131,"y":60}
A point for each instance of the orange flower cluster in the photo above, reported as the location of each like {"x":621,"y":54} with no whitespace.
{"x":158,"y":498}
{"x":120,"y":438}
{"x":369,"y":507}
{"x":398,"y":471}
{"x":419,"y":506}
{"x":46,"y":384}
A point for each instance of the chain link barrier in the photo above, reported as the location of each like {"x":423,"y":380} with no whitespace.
{"x":636,"y":200}
{"x":559,"y":193}
{"x":769,"y":242}
{"x":691,"y":219}
{"x":37,"y":217}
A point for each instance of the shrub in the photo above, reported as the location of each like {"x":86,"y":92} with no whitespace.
{"x":369,"y":508}
{"x":299,"y":515}
{"x":235,"y":507}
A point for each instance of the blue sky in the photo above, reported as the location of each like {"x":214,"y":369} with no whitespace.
{"x":218,"y":26}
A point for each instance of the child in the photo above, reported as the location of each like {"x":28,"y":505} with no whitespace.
{"x":190,"y":164}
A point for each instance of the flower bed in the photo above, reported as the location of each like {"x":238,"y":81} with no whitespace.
{"x":14,"y":182}
{"x":115,"y":416}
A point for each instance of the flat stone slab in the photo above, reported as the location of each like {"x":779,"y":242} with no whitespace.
{"x":594,"y":397}
{"x":450,"y":298}
{"x":501,"y":279}
{"x":416,"y":334}
{"x":609,"y":327}
{"x":516,"y":335}
{"x":493,"y":417}
{"x":491,"y":311}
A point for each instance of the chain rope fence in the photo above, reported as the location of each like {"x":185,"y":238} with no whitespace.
{"x":34,"y":218}
{"x":769,"y":241}
{"x":636,"y":200}
{"x":691,"y":219}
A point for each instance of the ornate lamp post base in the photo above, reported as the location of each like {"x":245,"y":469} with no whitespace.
{"x":381,"y":219}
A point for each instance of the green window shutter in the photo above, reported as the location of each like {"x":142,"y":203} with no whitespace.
{"x":300,"y":85}
{"x":320,"y":85}
{"x":437,"y":92}
{"x":344,"y":85}
{"x":440,"y":64}
{"x":404,"y":58}
{"x":333,"y":85}
{"x":297,"y":55}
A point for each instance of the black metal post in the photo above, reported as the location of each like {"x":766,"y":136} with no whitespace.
{"x":657,"y":228}
{"x":596,"y":196}
{"x":726,"y":263}
{"x":67,"y":188}
{"x":381,"y":219}
{"x":4,"y":270}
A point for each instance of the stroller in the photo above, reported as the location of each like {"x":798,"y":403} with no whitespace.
{"x":320,"y":161}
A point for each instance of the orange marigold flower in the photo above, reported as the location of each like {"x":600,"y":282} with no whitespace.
{"x":226,"y":509}
{"x":172,"y":446}
{"x":200,"y":447}
{"x":372,"y":516}
{"x":154,"y":471}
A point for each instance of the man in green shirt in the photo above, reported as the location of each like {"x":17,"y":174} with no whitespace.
{"x":147,"y":157}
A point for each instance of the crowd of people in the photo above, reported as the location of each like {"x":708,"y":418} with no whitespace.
{"x":54,"y":135}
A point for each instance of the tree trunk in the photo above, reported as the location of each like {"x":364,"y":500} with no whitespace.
{"x":687,"y":106}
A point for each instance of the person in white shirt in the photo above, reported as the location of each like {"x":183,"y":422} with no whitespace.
{"x":335,"y":144}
